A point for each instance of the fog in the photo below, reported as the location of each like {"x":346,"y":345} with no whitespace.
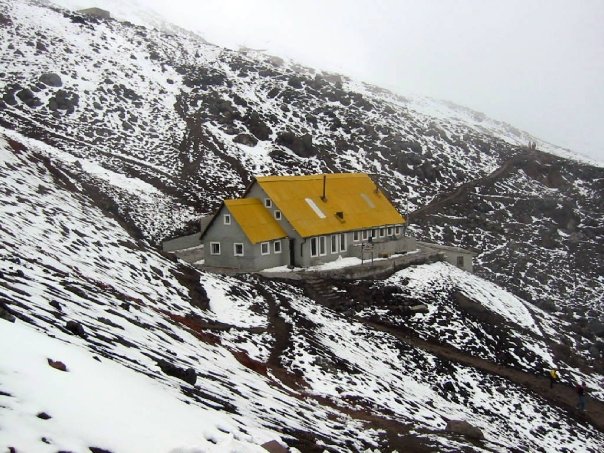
{"x":538,"y":65}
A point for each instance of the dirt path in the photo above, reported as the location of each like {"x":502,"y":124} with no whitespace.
{"x":562,"y":395}
{"x":453,"y":196}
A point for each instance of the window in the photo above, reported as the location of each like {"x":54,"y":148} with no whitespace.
{"x":374,"y":233}
{"x":265,"y":248}
{"x":397,"y":230}
{"x":342,"y":242}
{"x":382,"y":232}
{"x":322,"y":245}
{"x":238,"y":249}
{"x":268,"y":203}
{"x":277,"y":214}
{"x":390,"y":230}
{"x":277,"y":246}
{"x":334,"y":243}
{"x":227,"y":219}
{"x":460,"y":261}
{"x":214,"y":248}
{"x":365,"y":234}
{"x":314,"y":250}
{"x":356,"y":236}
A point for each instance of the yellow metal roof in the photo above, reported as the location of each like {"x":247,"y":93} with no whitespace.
{"x":355,"y":195}
{"x":256,"y":221}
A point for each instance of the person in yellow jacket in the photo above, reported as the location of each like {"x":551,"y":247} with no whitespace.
{"x":553,"y":377}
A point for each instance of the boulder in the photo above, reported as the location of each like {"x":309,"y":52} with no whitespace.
{"x":5,"y":314}
{"x":465,"y":429}
{"x":98,"y":450}
{"x":64,"y":100}
{"x":274,"y":447}
{"x":187,"y":375}
{"x":258,"y":127}
{"x":596,"y":327}
{"x":28,"y":98}
{"x":246,"y":139}
{"x":419,"y":308}
{"x":76,"y":328}
{"x":301,"y":146}
{"x":449,"y":387}
{"x":57,"y":365}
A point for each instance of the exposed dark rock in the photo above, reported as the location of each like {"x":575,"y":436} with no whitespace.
{"x":76,"y":328}
{"x":273,"y":92}
{"x":295,"y":82}
{"x":96,"y":13}
{"x":64,"y":100}
{"x":596,"y":327}
{"x":5,"y":21}
{"x":41,"y":47}
{"x":257,"y":126}
{"x":5,"y":314}
{"x":98,"y":450}
{"x":274,"y":447}
{"x":465,"y":429}
{"x":51,"y":79}
{"x":187,"y":375}
{"x":246,"y":139}
{"x":57,"y":365}
{"x":43,"y":416}
{"x":29,"y":98}
{"x":449,"y":386}
{"x":302,"y":146}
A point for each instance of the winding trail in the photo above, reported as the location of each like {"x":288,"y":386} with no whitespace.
{"x":562,"y":395}
{"x":454,"y":195}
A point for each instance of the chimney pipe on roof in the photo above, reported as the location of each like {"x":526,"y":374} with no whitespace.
{"x":324,"y":196}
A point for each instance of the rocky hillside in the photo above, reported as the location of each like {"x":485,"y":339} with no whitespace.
{"x":179,"y":358}
{"x":117,"y":136}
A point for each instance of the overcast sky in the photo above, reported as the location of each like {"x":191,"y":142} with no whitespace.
{"x":537,"y":64}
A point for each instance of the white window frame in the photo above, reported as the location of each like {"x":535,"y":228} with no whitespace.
{"x":343,"y":245}
{"x":382,"y":232}
{"x":356,"y":236}
{"x":322,"y":245}
{"x":397,"y":230}
{"x":227,"y":219}
{"x":235,"y":249}
{"x":314,"y":243}
{"x":264,"y":245}
{"x":374,"y":233}
{"x":390,"y":231}
{"x":278,"y":249}
{"x":365,"y":235}
{"x":212,"y":244}
{"x":333,"y":243}
{"x":277,"y":214}
{"x":268,"y":203}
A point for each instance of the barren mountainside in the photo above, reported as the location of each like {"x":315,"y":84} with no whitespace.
{"x":114,"y":137}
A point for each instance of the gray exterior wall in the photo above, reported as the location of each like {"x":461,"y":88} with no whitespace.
{"x":456,"y":256}
{"x":296,"y":240}
{"x":227,"y":236}
{"x":183,"y":242}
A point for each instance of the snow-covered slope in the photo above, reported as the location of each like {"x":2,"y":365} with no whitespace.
{"x":275,"y":365}
{"x":195,"y":122}
{"x":115,"y":136}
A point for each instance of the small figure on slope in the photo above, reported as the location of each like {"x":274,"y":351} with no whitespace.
{"x":581,"y":392}
{"x":553,"y":377}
